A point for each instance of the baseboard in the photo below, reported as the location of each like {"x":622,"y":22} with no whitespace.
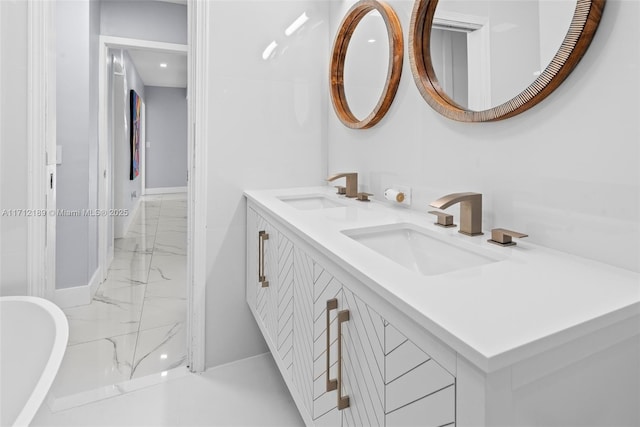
{"x":165,"y":190}
{"x":130,"y":218}
{"x":94,"y":283}
{"x":78,"y":295}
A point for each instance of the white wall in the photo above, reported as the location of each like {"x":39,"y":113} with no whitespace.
{"x":13,"y":146}
{"x":267,"y":124}
{"x":166,"y":131}
{"x":566,"y":172}
{"x":145,"y":20}
{"x":124,"y":187}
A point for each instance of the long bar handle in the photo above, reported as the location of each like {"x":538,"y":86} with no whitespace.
{"x":262,"y":236}
{"x":332,"y":304}
{"x":343,"y":401}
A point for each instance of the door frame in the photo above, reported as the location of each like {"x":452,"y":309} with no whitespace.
{"x":41,"y":149}
{"x":478,"y":53}
{"x":199,"y":64}
{"x":106,"y":43}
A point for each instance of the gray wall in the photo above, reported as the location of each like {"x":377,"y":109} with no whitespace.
{"x":13,"y":147}
{"x":146,"y":20}
{"x":76,"y":132}
{"x":123,"y":185}
{"x":166,"y":131}
{"x":79,"y":24}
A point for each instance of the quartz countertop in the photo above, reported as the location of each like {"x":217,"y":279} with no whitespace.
{"x":531,"y":300}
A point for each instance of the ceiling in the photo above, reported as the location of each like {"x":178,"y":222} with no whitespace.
{"x":148,"y":65}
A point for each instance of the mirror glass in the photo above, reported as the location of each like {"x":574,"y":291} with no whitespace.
{"x":486,"y":52}
{"x":366,"y":64}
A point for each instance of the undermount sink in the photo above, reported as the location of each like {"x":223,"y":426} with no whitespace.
{"x":311,"y":202}
{"x":420,"y":250}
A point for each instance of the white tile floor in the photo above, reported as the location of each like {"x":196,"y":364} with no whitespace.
{"x":120,"y":365}
{"x":135,"y":325}
{"x":249,"y":392}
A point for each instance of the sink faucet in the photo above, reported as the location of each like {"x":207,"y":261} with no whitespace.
{"x":352,"y":182}
{"x":470,"y":211}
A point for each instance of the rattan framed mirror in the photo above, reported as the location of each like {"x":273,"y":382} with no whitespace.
{"x":581,"y":30}
{"x":337,"y":70}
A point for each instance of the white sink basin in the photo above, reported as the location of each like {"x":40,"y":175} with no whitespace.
{"x":311,"y":202}
{"x":420,"y":250}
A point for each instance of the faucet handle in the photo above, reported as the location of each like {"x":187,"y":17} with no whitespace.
{"x":363,"y":197}
{"x":443,"y":219}
{"x":341,"y":189}
{"x":502,"y":237}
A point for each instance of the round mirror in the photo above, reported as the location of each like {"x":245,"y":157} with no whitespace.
{"x":486,"y":60}
{"x":366,"y":64}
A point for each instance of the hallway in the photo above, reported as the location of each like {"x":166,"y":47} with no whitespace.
{"x":135,"y":325}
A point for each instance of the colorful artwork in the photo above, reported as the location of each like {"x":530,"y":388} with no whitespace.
{"x":135,"y":104}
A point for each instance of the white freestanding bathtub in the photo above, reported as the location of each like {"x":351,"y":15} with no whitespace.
{"x":33,"y":338}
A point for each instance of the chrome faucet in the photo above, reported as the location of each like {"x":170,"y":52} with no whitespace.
{"x":352,"y":183}
{"x":470,"y":211}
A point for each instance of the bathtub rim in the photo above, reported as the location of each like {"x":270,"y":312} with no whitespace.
{"x":40,"y":391}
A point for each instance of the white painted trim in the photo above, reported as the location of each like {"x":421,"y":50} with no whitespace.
{"x":130,"y":217}
{"x":104,"y":172}
{"x":126,"y":43}
{"x":143,"y":149}
{"x":478,"y":53}
{"x":198,"y":117}
{"x":78,"y":295}
{"x":40,"y":137}
{"x":166,"y":190}
{"x":1,"y":143}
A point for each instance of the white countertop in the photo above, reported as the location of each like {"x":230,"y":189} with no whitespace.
{"x":494,"y":314}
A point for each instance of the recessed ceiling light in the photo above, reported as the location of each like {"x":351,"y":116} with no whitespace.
{"x":371,"y":40}
{"x":163,"y":65}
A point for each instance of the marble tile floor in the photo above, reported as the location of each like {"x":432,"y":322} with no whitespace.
{"x":135,"y":325}
{"x":248,"y":392}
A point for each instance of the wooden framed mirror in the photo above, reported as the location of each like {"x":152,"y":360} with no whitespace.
{"x":388,"y":83}
{"x":492,"y":89}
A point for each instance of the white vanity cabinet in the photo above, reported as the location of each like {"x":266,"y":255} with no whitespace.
{"x":386,"y":378}
{"x":269,"y":283}
{"x":536,"y":337}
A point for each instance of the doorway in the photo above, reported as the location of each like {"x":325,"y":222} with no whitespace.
{"x":136,"y":323}
{"x":42,"y":35}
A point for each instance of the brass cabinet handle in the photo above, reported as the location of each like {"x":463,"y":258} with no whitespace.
{"x":332,"y":304}
{"x":343,"y":401}
{"x":262,"y":236}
